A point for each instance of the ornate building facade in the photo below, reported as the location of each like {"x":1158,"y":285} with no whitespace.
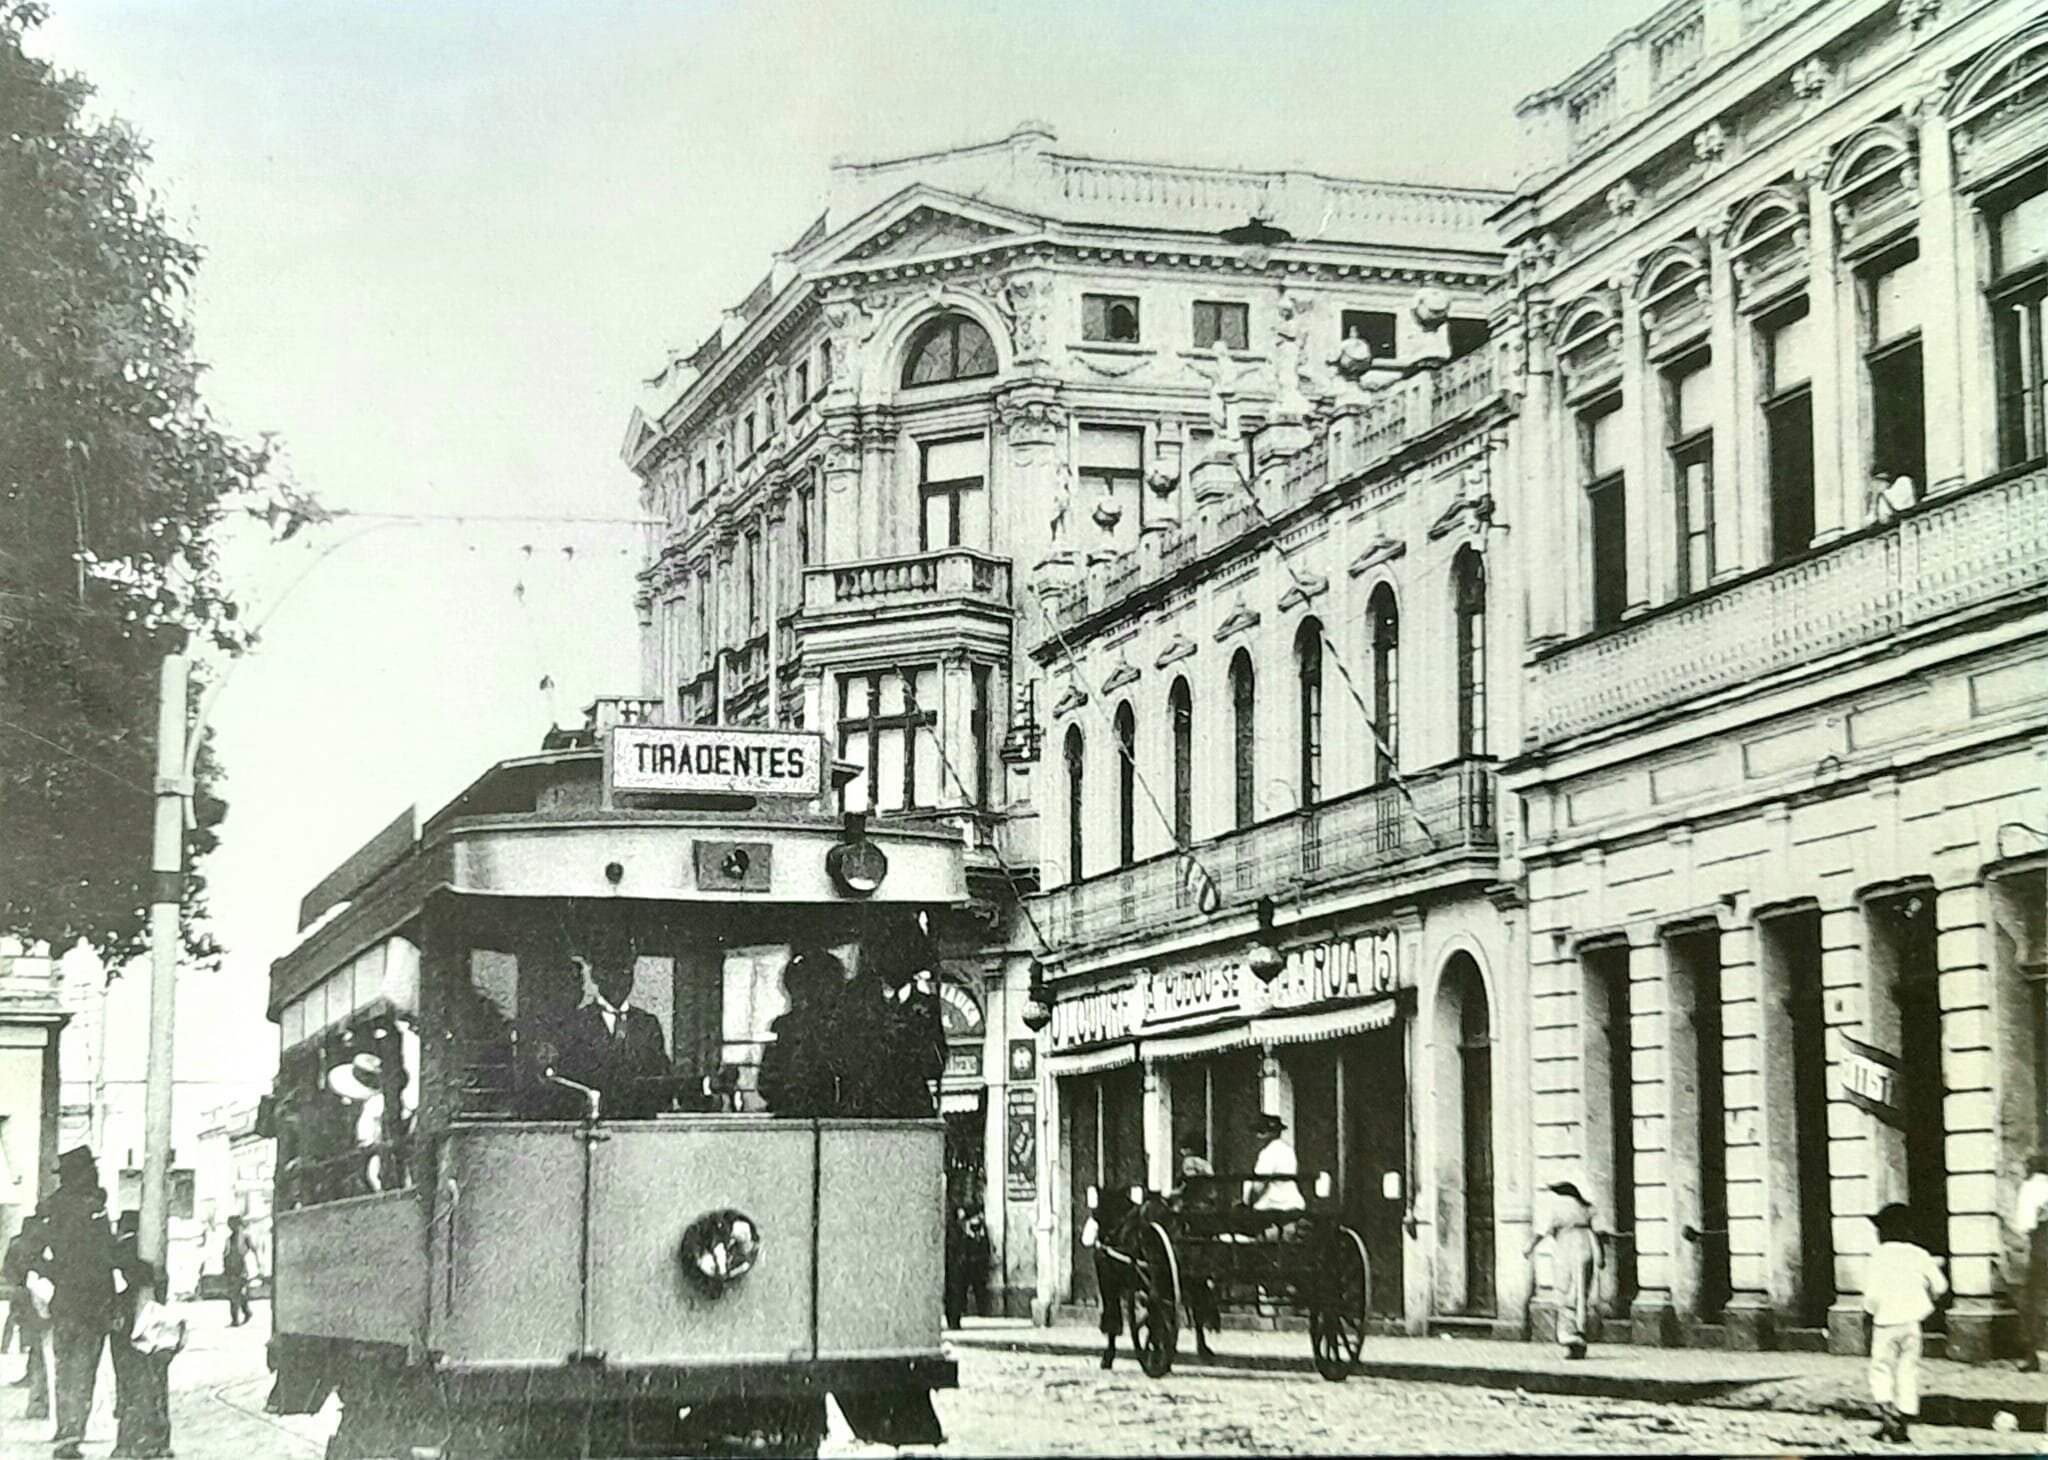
{"x":1777,"y":273}
{"x":977,"y":365}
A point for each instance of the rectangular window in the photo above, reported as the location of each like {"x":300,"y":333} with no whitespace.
{"x":1374,"y":326}
{"x":1891,"y":360}
{"x":1790,"y":347}
{"x":1111,"y":318}
{"x":800,"y":388}
{"x":1689,"y":411}
{"x":1230,"y":323}
{"x":888,"y":724}
{"x":752,"y":569}
{"x":703,"y":481}
{"x":806,"y":533}
{"x":1468,"y":335}
{"x":977,"y":734}
{"x":2019,"y":322}
{"x":768,"y":417}
{"x":952,"y":505}
{"x":1111,"y":469}
{"x":1601,"y":472}
{"x":748,"y":434}
{"x":824,"y":368}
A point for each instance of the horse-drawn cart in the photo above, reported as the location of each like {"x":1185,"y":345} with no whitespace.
{"x":1161,"y":1258}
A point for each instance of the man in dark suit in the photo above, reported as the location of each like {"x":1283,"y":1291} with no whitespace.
{"x":617,"y":1050}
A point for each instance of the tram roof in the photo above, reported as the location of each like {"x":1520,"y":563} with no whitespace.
{"x":535,"y":827}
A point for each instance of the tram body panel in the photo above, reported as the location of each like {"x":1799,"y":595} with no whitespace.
{"x":648,"y":1183}
{"x":872,"y":1261}
{"x":661,"y":860}
{"x":507,"y":1254}
{"x":323,"y":1285}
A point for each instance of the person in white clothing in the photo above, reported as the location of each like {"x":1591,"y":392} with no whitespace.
{"x":1902,"y":1283}
{"x":1280,"y":1191}
{"x":2030,"y":1221}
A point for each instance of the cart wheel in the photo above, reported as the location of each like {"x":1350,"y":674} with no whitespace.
{"x":1151,"y":1303}
{"x":1336,"y":1321}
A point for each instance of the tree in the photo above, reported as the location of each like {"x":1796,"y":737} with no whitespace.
{"x":114,"y":480}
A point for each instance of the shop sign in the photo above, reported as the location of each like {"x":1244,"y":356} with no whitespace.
{"x":1020,"y":1118}
{"x":699,"y":759}
{"x":959,"y":1010}
{"x":1345,"y":970}
{"x":1099,"y":1016}
{"x":1175,"y":995}
{"x":963,"y":1062}
{"x":1023,"y":1059}
{"x":1868,"y":1079}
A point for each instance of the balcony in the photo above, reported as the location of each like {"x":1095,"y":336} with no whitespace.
{"x":1356,"y":442}
{"x":1956,"y":553}
{"x":608,"y":711}
{"x":1448,"y":813}
{"x":908,"y":582}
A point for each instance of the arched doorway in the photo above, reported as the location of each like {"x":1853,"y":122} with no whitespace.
{"x":1464,"y":1120}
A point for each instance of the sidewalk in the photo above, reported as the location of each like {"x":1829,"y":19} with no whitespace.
{"x":1792,"y":1383}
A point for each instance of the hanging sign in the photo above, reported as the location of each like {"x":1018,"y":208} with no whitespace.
{"x":698,"y":760}
{"x":1868,"y":1078}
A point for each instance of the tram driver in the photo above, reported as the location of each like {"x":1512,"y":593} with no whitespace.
{"x":614,"y":1048}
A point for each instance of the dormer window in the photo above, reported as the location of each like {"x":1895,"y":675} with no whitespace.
{"x":951,"y":347}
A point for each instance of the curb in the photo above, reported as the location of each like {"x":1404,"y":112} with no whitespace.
{"x":1948,"y":1410}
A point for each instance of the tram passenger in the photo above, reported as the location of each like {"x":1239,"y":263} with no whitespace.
{"x":617,"y":1050}
{"x":891,"y":1045}
{"x":800,"y":1067}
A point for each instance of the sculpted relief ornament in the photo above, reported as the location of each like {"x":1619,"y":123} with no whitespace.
{"x":1023,"y":304}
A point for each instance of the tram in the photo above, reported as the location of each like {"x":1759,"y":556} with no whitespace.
{"x":482,"y":1260}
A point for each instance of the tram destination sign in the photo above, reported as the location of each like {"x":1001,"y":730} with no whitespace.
{"x":699,"y":760}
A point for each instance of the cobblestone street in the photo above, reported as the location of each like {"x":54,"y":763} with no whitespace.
{"x":1043,"y":1404}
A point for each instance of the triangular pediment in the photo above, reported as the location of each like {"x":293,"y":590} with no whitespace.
{"x":921,"y":222}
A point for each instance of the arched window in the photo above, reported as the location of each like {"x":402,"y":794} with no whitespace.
{"x":1386,"y":683}
{"x":1468,"y":584}
{"x":1126,"y":785}
{"x":1243,"y":738}
{"x":1073,"y":757}
{"x":1180,"y":710}
{"x":951,"y":347}
{"x":1308,"y":667}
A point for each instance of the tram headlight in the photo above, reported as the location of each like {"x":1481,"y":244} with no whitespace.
{"x":718,"y":1250}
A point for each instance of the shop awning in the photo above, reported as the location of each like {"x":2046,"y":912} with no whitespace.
{"x":1194,"y":1046}
{"x":1092,"y":1061}
{"x":1327,"y":1023}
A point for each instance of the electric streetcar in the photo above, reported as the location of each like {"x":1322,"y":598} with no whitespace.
{"x":474,"y":1253}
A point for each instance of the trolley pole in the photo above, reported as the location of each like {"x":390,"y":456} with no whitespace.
{"x":166,"y":908}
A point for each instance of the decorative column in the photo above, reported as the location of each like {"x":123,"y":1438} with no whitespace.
{"x":1036,"y":519}
{"x":1653,"y":1316}
{"x":1969,"y":1075}
{"x":883,"y":520}
{"x":956,"y":711}
{"x":1638,"y":428}
{"x":1746,"y":1024}
{"x":839,"y":503}
{"x":1836,"y":504}
{"x":1950,"y":329}
{"x":1545,"y":474}
{"x":774,"y":515}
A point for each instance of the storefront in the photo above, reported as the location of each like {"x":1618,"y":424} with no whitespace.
{"x":1167,"y":1058}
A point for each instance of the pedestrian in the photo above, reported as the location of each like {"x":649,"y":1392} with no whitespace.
{"x":1902,"y":1284}
{"x":21,"y":1309}
{"x":78,"y":1261}
{"x":2030,"y":1221}
{"x":1575,"y":1264}
{"x":967,"y":1260}
{"x":142,"y":1389}
{"x":237,"y":1263}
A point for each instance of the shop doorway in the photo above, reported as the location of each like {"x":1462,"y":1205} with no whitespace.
{"x":1906,"y":1009}
{"x":1105,"y":1134}
{"x":1796,"y":1084}
{"x":1373,"y":1096}
{"x":1465,"y":1170}
{"x":966,"y":1117}
{"x":1214,"y":1101}
{"x":1611,"y":1109}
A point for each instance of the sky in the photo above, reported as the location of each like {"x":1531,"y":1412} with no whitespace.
{"x":446,"y":240}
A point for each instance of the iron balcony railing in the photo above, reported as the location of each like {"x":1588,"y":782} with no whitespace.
{"x":1447,"y":811}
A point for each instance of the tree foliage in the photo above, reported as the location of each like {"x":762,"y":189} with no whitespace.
{"x":113,"y":482}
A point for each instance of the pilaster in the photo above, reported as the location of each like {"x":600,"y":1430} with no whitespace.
{"x":1949,"y":325}
{"x":1723,"y":342}
{"x":1969,"y":1074}
{"x":1657,"y":1223}
{"x":1158,"y":1122}
{"x":1755,"y":1288}
{"x":1638,"y":429}
{"x":1834,"y":417}
{"x":1853,"y":1155}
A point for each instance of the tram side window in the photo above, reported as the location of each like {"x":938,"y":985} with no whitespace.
{"x":344,"y":1112}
